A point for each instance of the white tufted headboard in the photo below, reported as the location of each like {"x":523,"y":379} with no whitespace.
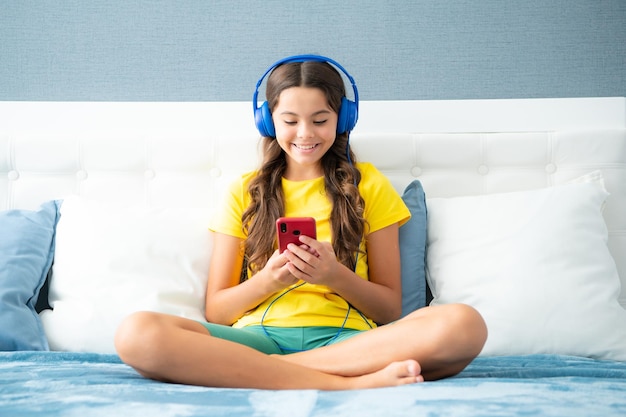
{"x":185,"y":154}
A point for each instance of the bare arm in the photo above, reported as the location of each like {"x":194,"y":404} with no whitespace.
{"x":226,"y":299}
{"x":380,"y":298}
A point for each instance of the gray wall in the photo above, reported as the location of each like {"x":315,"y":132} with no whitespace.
{"x":202,"y":50}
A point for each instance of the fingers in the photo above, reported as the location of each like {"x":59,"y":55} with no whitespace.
{"x":313,"y":261}
{"x":278,"y":269}
{"x":303,"y":252}
{"x":300,"y":262}
{"x":311,"y":243}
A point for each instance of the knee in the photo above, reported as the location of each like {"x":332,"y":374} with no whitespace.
{"x":137,"y":335}
{"x":459,"y":325}
{"x":466,"y":325}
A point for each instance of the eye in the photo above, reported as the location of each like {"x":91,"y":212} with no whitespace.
{"x":320,"y":122}
{"x":289,"y":122}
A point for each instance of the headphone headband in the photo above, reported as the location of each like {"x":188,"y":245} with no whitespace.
{"x":348,"y":112}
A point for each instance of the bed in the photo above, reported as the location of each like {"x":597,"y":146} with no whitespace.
{"x":519,"y":209}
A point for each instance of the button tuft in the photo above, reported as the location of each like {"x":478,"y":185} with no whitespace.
{"x":416,"y":171}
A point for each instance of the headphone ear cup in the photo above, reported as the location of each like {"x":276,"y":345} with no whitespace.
{"x":347,"y":117}
{"x":264,"y":122}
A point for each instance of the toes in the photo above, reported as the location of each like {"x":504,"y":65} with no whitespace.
{"x":414,"y":368}
{"x":413,"y":372}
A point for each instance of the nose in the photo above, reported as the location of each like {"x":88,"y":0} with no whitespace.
{"x":305,"y":130}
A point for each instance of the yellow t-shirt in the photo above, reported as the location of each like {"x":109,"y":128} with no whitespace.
{"x":313,"y":305}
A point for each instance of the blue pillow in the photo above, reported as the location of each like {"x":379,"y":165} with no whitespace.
{"x":413,"y":249}
{"x":26,"y":253}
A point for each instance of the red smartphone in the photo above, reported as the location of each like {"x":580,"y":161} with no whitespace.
{"x":288,"y":229}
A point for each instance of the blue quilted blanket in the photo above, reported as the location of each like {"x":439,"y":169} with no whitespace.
{"x":81,"y":384}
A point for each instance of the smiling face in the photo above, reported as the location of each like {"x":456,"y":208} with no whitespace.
{"x":305,"y":129}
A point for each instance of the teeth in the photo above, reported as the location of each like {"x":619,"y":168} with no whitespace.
{"x":304,"y":147}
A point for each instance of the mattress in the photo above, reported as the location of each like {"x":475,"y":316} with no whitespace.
{"x":87,"y":384}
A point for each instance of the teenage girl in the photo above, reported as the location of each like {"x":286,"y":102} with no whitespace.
{"x":324,"y":314}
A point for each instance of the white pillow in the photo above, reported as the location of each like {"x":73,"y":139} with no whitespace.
{"x":535,"y":264}
{"x":112,"y":260}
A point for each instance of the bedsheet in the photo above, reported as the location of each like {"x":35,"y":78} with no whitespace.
{"x":84,"y":384}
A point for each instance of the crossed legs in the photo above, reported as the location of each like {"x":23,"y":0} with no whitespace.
{"x":430,"y":343}
{"x":442,"y":339}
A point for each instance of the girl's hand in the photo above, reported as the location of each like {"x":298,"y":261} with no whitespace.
{"x":314,"y":262}
{"x":277,"y":271}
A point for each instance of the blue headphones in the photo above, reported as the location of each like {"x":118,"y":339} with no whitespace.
{"x":348,"y":112}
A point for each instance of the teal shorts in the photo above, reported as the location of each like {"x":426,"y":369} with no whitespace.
{"x":281,"y":340}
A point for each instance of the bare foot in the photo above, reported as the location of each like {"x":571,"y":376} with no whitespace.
{"x":396,"y":373}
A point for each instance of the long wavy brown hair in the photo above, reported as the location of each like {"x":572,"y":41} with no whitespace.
{"x":341,"y":177}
